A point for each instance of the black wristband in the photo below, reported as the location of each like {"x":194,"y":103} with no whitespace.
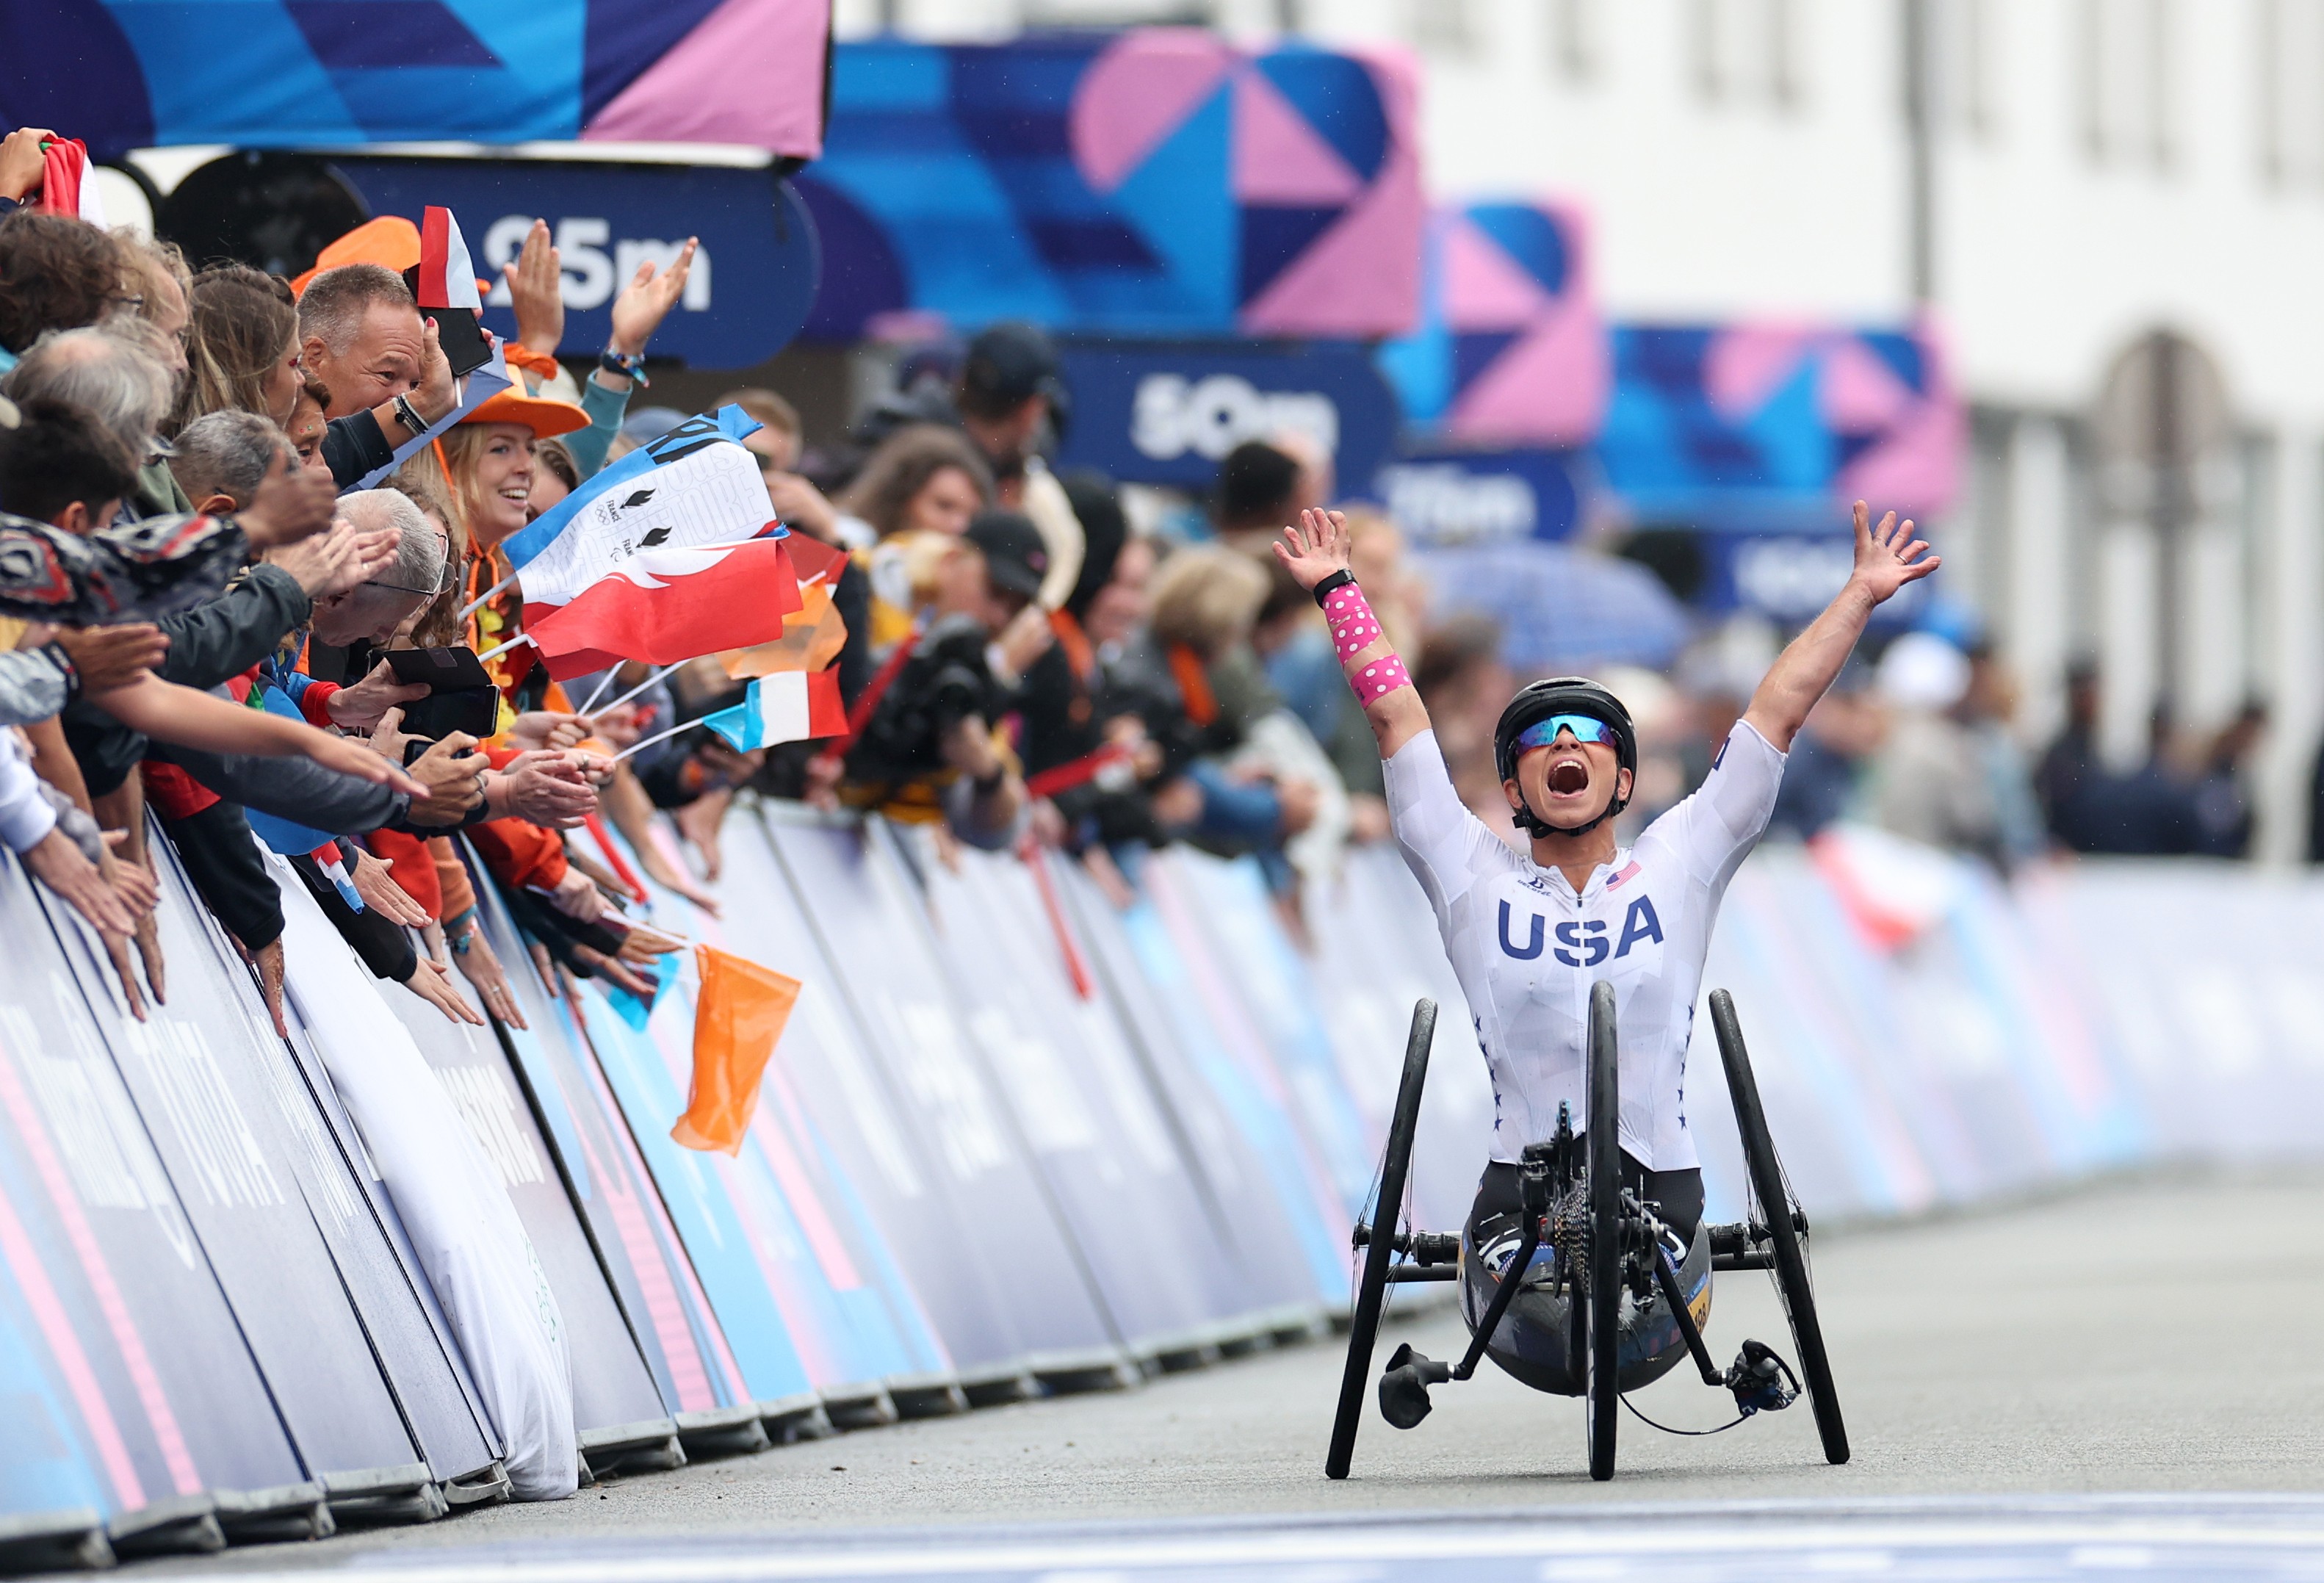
{"x":622,"y":365}
{"x":1332,"y":584}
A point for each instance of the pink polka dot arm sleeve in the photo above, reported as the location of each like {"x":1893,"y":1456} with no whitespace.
{"x":1355,"y":629}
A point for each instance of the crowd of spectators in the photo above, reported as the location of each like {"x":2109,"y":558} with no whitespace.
{"x":198,"y":603}
{"x":200,"y":598}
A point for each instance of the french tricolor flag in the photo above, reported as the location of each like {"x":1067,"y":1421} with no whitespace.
{"x":789,"y":706}
{"x":446,"y":277}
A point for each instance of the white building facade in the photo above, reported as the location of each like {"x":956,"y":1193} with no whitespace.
{"x":2074,"y":183}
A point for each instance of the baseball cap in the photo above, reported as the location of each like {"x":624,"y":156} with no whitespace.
{"x":1015,"y":557}
{"x":1011,"y":362}
{"x":649,"y":424}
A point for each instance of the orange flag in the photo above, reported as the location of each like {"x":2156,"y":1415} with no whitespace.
{"x":737,"y":1018}
{"x":813,"y":636}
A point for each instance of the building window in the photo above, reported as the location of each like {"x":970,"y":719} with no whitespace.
{"x":2290,"y":72}
{"x":2128,"y":83}
{"x":1746,"y":51}
{"x":1962,"y":55}
{"x":1576,"y":44}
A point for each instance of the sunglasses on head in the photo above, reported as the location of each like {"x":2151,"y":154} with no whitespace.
{"x":1585,"y":728}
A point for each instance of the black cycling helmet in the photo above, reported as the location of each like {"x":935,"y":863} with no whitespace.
{"x":1537,"y":701}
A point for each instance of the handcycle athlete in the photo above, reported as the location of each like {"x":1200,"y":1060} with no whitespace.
{"x":1556,"y":949}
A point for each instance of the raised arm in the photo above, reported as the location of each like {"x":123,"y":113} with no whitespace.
{"x":1315,"y":551}
{"x":1886,"y":558}
{"x":190,"y":717}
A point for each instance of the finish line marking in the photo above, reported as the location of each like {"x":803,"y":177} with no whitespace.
{"x":2077,"y":1538}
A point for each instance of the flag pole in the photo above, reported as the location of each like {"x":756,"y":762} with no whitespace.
{"x":632,"y":692}
{"x":498,"y":649}
{"x":660,"y":736}
{"x":478,"y":602}
{"x":598,"y":691}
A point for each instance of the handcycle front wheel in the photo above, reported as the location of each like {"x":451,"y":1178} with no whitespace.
{"x":1603,"y":1387}
{"x":1379,"y":1249}
{"x":1768,"y":1186}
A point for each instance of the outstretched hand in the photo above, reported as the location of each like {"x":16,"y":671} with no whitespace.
{"x":1888,"y":557}
{"x":646,"y":299}
{"x":1318,"y":547}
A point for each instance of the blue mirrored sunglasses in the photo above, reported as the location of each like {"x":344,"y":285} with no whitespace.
{"x":1585,"y":729}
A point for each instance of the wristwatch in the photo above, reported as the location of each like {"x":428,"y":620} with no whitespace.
{"x":626,"y":366}
{"x":409,"y":416}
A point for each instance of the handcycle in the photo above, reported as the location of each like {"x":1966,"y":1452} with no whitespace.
{"x":1587,"y":1292}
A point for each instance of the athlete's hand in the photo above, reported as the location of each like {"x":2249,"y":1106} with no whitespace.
{"x":1315,"y":549}
{"x":1888,"y":557}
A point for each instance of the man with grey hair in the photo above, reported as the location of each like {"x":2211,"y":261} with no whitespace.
{"x":370,"y":611}
{"x":222,"y":457}
{"x":107,"y":373}
{"x":361,"y":337}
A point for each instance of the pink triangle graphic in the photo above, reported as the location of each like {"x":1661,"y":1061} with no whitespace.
{"x":1748,"y":364}
{"x":1362,"y":276}
{"x":1137,"y":93}
{"x":1917,"y":468}
{"x":1484,"y":288}
{"x":1856,"y":391}
{"x":1279,"y":158}
{"x":730,"y":79}
{"x":1550,"y":388}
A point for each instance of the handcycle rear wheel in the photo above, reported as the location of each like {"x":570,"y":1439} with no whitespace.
{"x":1767,"y":1185}
{"x":1379,"y":1250}
{"x":1602,"y":1389}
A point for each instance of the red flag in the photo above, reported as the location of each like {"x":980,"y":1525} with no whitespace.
{"x":65,"y":186}
{"x":664,"y":605}
{"x":814,"y":558}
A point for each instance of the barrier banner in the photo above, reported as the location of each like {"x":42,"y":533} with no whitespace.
{"x":826,"y":1084}
{"x":612,"y":1392}
{"x":1229,"y":1054}
{"x":2214,"y":1029}
{"x":1219,"y":912}
{"x":389,"y":1288}
{"x":1277,"y":1253}
{"x":370,"y":1251}
{"x":728,"y":1251}
{"x":838,"y":1295}
{"x":662,"y":1362}
{"x":50,"y":1501}
{"x":104,"y":1284}
{"x":212,"y":1099}
{"x":1378,"y":952}
{"x":860,"y":901}
{"x":1064,"y":1070}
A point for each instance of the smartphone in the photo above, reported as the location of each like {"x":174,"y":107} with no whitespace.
{"x":462,"y":696}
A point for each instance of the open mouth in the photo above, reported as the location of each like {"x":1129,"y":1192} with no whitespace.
{"x":1568,"y":777}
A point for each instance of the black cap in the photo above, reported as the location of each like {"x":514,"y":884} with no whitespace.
{"x":1015,"y":556}
{"x":1008,"y":363}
